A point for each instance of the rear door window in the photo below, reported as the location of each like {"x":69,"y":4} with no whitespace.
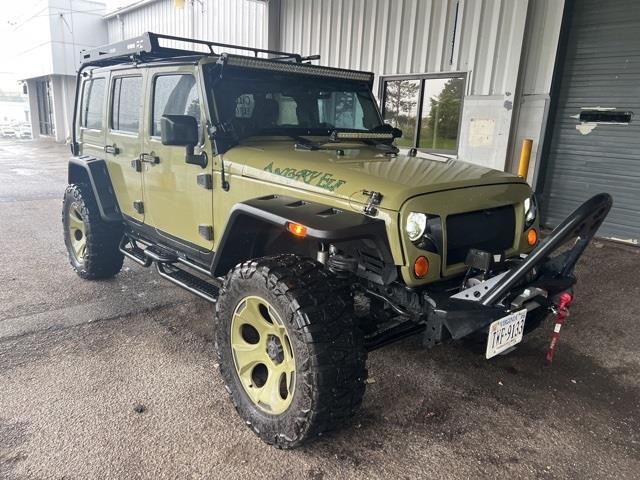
{"x":126,"y":104}
{"x":92,"y":104}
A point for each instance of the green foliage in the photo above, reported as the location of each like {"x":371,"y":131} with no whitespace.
{"x":440,"y":128}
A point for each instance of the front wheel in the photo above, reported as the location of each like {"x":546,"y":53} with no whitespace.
{"x":92,"y":243}
{"x":289,"y":350}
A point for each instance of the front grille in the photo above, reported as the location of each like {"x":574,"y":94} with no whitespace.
{"x":491,"y":230}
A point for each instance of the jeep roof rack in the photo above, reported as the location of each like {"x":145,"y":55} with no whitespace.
{"x":147,"y":47}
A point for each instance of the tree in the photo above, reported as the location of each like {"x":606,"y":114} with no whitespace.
{"x":401,"y":99}
{"x":444,"y":113}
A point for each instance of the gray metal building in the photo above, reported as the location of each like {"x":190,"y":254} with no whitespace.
{"x":467,"y":78}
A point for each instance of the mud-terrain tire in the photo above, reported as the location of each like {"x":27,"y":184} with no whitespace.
{"x":316,"y":310}
{"x":92,"y":243}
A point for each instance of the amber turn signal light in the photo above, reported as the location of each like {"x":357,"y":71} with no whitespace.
{"x":297,"y":229}
{"x":421,"y":267}
{"x":532,"y":237}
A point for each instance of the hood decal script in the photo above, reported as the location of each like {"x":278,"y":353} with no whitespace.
{"x":312,"y":177}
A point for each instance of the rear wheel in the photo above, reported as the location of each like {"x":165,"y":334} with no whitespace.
{"x":289,"y":351}
{"x":92,"y":243}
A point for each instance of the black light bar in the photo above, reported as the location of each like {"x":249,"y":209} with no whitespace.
{"x":378,"y":136}
{"x":296,"y":68}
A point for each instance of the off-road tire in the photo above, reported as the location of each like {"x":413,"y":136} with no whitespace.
{"x":103,"y":258}
{"x":317,"y":310}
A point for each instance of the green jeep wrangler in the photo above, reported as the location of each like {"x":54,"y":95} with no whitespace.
{"x":272,"y":188}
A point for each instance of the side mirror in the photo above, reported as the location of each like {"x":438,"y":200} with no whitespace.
{"x":179,"y":130}
{"x":396,"y":132}
{"x":386,"y":128}
{"x":182,"y":130}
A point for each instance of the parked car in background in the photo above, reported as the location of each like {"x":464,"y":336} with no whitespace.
{"x":24,"y":131}
{"x":7,"y":131}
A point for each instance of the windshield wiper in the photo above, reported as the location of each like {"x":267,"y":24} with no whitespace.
{"x":304,"y":143}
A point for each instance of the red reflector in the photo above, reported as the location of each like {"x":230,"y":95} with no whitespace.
{"x":297,"y":229}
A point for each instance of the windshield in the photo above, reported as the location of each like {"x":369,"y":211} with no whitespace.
{"x":273,"y":103}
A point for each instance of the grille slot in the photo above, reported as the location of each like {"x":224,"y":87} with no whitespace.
{"x":491,"y":230}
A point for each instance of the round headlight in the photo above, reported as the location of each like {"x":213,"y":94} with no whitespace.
{"x":416,"y":225}
{"x":530,"y":211}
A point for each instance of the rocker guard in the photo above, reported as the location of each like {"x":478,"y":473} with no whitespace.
{"x":545,"y":270}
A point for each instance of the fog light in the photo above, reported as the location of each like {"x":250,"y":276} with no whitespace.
{"x":532,"y":237}
{"x":421,"y":267}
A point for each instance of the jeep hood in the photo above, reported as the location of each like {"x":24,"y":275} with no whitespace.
{"x":324,"y":171}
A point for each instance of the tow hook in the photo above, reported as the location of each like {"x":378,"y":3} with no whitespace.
{"x":561,"y":312}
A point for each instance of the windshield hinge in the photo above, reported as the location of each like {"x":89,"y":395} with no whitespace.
{"x":221,"y":139}
{"x":375,"y":198}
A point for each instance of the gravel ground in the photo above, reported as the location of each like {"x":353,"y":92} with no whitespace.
{"x":117,"y":379}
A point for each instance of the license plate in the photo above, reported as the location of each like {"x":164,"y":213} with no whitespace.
{"x":505,"y":333}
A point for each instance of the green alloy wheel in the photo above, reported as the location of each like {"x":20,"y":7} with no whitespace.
{"x":92,"y":243}
{"x":77,"y":232}
{"x":262,"y":355}
{"x":289,"y":351}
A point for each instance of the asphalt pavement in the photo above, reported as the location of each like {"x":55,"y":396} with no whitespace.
{"x":117,"y":379}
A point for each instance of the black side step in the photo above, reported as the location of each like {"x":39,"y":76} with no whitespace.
{"x":188,"y":281}
{"x":160,"y":255}
{"x":130,"y":250}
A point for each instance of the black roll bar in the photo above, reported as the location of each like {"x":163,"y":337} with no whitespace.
{"x":582,"y":225}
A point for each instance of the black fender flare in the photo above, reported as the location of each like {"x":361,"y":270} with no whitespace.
{"x":323,"y":223}
{"x":93,"y":171}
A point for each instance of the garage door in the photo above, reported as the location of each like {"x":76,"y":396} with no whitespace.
{"x":595,"y":143}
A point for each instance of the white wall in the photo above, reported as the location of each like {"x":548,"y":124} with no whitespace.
{"x":228,"y":21}
{"x":401,"y":36}
{"x":63,"y":91}
{"x":541,"y":43}
{"x":48,"y":39}
{"x":417,"y":36}
{"x":49,"y":36}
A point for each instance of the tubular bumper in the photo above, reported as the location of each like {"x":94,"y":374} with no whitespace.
{"x":534,"y":283}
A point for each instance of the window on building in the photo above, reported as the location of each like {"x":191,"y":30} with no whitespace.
{"x":45,"y":110}
{"x":174,"y":95}
{"x":126,"y":103}
{"x":427,"y":108}
{"x":92,"y":103}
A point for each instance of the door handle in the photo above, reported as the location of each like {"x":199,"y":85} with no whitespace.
{"x":111,"y":149}
{"x":149,"y":158}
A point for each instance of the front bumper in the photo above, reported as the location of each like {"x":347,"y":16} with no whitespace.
{"x":534,"y":283}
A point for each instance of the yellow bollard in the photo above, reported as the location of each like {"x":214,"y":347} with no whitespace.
{"x":525,"y":156}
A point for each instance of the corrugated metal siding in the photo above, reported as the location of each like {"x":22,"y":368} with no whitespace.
{"x":412,"y":36}
{"x":602,"y":69}
{"x":544,"y":23}
{"x":229,"y":21}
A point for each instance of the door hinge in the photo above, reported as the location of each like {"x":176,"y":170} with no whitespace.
{"x":206,"y":231}
{"x":149,"y":158}
{"x":205,"y":180}
{"x":136,"y":165}
{"x":138,"y":206}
